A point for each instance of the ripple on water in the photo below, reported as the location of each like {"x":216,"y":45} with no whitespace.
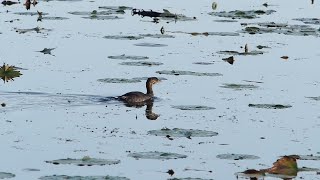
{"x":150,"y":45}
{"x":193,"y":107}
{"x":128,"y":57}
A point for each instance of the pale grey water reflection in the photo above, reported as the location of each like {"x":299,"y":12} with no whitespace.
{"x":67,"y":118}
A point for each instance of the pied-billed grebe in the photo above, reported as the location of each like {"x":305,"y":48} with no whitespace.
{"x":140,"y":97}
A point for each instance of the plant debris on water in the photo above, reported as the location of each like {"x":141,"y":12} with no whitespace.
{"x":150,"y":45}
{"x":85,"y":161}
{"x":270,"y":106}
{"x":8,"y":73}
{"x":177,"y":132}
{"x":193,"y":107}
{"x":191,"y":73}
{"x":63,"y":177}
{"x":237,"y":156}
{"x":157,"y":155}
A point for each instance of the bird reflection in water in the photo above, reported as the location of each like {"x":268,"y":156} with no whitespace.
{"x":149,"y":107}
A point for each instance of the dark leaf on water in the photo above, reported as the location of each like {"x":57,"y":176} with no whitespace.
{"x":8,"y":73}
{"x":270,"y":106}
{"x":230,"y":60}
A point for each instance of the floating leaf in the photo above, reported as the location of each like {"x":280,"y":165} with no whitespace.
{"x":47,"y":50}
{"x":270,"y":106}
{"x":119,"y":80}
{"x":239,"y":86}
{"x":126,"y":57}
{"x":120,"y":37}
{"x":177,"y":132}
{"x":237,"y":14}
{"x":5,"y":175}
{"x":63,"y":177}
{"x":85,"y":161}
{"x":141,"y":63}
{"x":237,"y":156}
{"x":193,"y":107}
{"x":156,"y":155}
{"x":150,"y":45}
{"x":251,"y":53}
{"x":191,"y":73}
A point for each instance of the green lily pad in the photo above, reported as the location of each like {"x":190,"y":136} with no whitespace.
{"x":237,"y":157}
{"x":8,"y":73}
{"x":239,"y":86}
{"x":237,"y":14}
{"x":156,"y":155}
{"x":150,"y":45}
{"x":141,"y":63}
{"x":63,"y":177}
{"x":193,"y":107}
{"x":191,"y":73}
{"x":85,"y":161}
{"x":251,"y":53}
{"x":270,"y":106}
{"x":119,"y":80}
{"x":177,"y":132}
{"x":5,"y":175}
{"x":126,"y":57}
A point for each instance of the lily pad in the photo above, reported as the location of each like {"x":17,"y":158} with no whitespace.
{"x":120,"y":37}
{"x":54,"y":18}
{"x":237,"y":157}
{"x":239,"y":86}
{"x":63,"y":177}
{"x":189,"y":178}
{"x":280,"y":28}
{"x":141,"y":63}
{"x":5,"y":175}
{"x":315,"y":21}
{"x":251,"y":53}
{"x":191,"y":73}
{"x":119,"y":80}
{"x":156,"y":155}
{"x":116,"y":8}
{"x":177,"y":132}
{"x":94,"y":17}
{"x":270,"y":106}
{"x":29,"y":13}
{"x":237,"y":14}
{"x":126,"y":57}
{"x":158,"y":36}
{"x":193,"y":107}
{"x":36,"y":29}
{"x":150,"y":45}
{"x":314,"y":98}
{"x":85,"y":161}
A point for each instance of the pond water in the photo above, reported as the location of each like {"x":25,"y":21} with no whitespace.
{"x":76,"y":56}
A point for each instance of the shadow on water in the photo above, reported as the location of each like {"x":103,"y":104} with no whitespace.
{"x":28,"y":100}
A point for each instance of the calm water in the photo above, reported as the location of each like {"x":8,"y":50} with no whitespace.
{"x":66,"y":119}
